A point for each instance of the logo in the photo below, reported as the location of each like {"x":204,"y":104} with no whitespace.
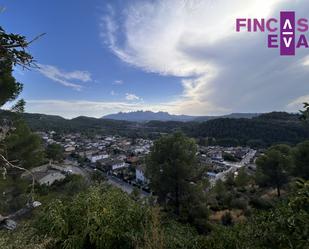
{"x":286,"y":34}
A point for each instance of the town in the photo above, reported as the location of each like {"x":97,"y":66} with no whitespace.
{"x":123,"y":160}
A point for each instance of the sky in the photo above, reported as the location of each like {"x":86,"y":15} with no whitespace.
{"x":181,"y":56}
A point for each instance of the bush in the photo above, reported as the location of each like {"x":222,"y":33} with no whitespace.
{"x":227,"y":219}
{"x":101,"y":217}
{"x":260,"y":203}
{"x":240,"y":203}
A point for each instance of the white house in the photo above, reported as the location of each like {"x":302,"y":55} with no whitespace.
{"x":51,"y":178}
{"x":95,"y":158}
{"x":140,"y":175}
{"x":69,"y":149}
{"x":119,"y":165}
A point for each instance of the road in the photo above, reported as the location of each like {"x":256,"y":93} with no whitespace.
{"x":234,"y":167}
{"x":126,"y":187}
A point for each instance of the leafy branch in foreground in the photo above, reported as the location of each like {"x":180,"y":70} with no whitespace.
{"x":13,"y":49}
{"x":305,"y":112}
{"x":18,"y":147}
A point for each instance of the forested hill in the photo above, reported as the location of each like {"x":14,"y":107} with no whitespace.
{"x":261,"y":131}
{"x":264,"y":130}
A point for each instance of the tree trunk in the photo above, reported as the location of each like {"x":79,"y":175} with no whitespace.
{"x":177,"y":204}
{"x":278,"y":191}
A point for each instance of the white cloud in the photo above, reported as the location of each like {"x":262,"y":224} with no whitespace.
{"x":64,"y":77}
{"x":118,"y":82}
{"x":221,"y":70}
{"x":305,"y":61}
{"x":131,"y":97}
{"x":297,"y":103}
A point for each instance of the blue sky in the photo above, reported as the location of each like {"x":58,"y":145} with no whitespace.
{"x":100,"y":57}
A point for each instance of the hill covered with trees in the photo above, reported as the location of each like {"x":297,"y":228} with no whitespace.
{"x":262,"y":131}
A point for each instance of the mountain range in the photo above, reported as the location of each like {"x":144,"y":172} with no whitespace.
{"x":230,"y":130}
{"x":145,"y":116}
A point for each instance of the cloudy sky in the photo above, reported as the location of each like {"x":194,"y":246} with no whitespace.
{"x":182,"y":56}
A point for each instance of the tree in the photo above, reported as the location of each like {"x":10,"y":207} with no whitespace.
{"x":275,"y":165}
{"x":229,"y":157}
{"x":9,"y":87}
{"x":220,"y":188}
{"x":135,"y":194}
{"x":242,"y":178}
{"x":12,"y":52}
{"x":55,"y":152}
{"x":301,"y":160}
{"x":305,"y":112}
{"x":194,"y":208}
{"x":175,"y":176}
{"x":23,"y":147}
{"x":284,"y":226}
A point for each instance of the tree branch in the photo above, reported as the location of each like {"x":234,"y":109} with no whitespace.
{"x":8,"y":164}
{"x":19,"y":45}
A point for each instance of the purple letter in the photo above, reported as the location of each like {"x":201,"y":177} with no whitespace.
{"x":302,"y":42}
{"x":240,"y":22}
{"x":303,"y":25}
{"x":270,"y":29}
{"x":259,"y":25}
{"x":287,"y":33}
{"x":272,"y":41}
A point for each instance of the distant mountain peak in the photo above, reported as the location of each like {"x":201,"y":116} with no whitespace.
{"x":144,"y":116}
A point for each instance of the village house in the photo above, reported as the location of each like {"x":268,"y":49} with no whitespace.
{"x":140,"y":174}
{"x":95,"y":158}
{"x":118,"y":164}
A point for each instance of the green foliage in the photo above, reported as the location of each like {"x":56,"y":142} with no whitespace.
{"x":19,"y":106}
{"x":71,"y":185}
{"x":9,"y":87}
{"x":275,"y":165}
{"x":176,"y":178}
{"x":24,"y":147}
{"x":285,"y":226}
{"x":227,"y":219}
{"x":194,"y":208}
{"x":219,"y":188}
{"x":242,"y":179}
{"x":13,"y":194}
{"x":12,"y":52}
{"x":55,"y":152}
{"x":261,"y":131}
{"x":305,"y":112}
{"x":98,"y":177}
{"x":229,"y":157}
{"x":97,"y":218}
{"x":135,"y":194}
{"x":301,"y":160}
{"x":12,"y":49}
{"x":25,"y":237}
{"x":180,"y":236}
{"x":258,"y":132}
{"x":171,"y":165}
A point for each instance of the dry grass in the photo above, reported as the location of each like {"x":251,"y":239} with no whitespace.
{"x":237,"y":214}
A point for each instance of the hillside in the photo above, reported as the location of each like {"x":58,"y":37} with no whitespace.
{"x":145,"y":116}
{"x":259,"y":131}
